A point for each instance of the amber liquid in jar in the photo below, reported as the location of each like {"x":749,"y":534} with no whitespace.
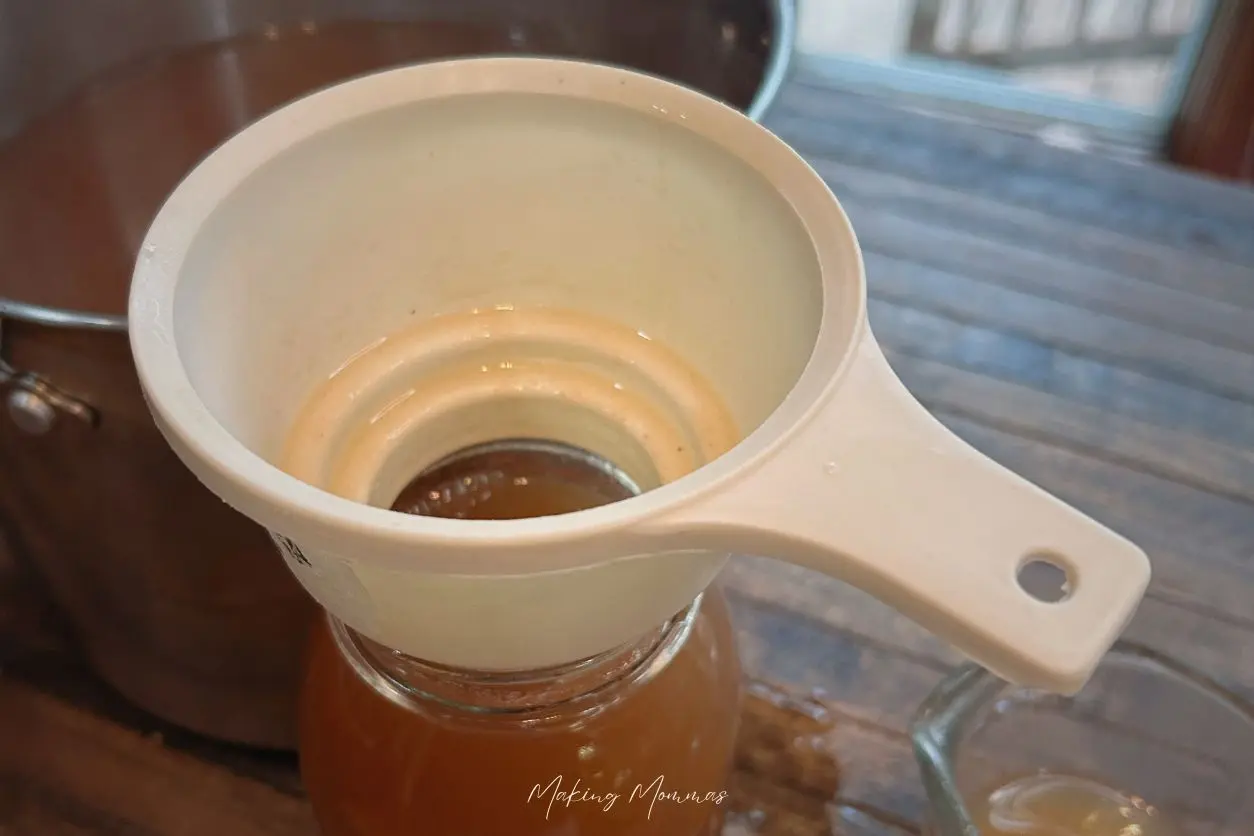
{"x":637,"y":741}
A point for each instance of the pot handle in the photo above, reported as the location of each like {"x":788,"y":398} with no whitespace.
{"x":34,"y":403}
{"x":875,"y":491}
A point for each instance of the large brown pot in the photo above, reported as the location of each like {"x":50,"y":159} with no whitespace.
{"x":178,"y":602}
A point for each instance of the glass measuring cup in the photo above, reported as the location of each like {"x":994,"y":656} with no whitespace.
{"x":1173,"y":750}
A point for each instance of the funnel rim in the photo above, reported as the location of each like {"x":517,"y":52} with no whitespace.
{"x":265,"y":493}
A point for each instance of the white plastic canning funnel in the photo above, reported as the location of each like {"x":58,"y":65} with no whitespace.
{"x":514,"y":185}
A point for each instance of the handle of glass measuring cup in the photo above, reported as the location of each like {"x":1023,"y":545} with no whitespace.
{"x":875,"y":491}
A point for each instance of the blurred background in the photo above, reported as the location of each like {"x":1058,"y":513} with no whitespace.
{"x":1084,"y":72}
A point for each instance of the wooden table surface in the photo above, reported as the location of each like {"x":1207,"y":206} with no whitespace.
{"x":1088,"y":323}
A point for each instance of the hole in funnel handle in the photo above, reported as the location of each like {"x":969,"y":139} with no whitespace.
{"x":1046,"y":578}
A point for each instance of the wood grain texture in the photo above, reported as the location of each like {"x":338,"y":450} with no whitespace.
{"x":1186,"y":212}
{"x":1030,"y":231}
{"x":1050,"y":276}
{"x":1117,"y":390}
{"x":1199,"y":543}
{"x":129,"y":783}
{"x":838,"y":668}
{"x":1112,"y":339}
{"x":1215,"y":467}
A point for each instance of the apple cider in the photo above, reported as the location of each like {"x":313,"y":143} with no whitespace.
{"x":633,"y":742}
{"x":1050,"y":804}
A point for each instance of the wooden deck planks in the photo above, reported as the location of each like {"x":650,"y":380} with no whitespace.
{"x":1216,"y":467}
{"x":1191,"y":214}
{"x":128,"y":783}
{"x":1119,"y":391}
{"x":1111,"y":339}
{"x":1199,"y":543}
{"x":840,"y":616}
{"x":1031,"y":232}
{"x":864,"y":681}
{"x":1051,"y":276}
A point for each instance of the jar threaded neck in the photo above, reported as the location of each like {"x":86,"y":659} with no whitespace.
{"x":534,"y":694}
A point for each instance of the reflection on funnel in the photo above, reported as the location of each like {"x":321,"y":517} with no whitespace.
{"x":456,"y":382}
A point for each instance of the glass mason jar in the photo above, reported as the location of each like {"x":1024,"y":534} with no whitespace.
{"x":638,"y":740}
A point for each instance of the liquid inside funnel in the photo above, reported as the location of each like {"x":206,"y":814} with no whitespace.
{"x":515,"y":479}
{"x":507,"y":414}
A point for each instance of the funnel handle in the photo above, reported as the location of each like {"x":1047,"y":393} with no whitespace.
{"x":875,"y":491}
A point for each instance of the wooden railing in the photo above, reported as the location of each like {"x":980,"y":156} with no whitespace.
{"x":1012,"y":51}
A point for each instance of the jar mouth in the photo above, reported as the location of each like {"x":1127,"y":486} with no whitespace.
{"x":455,"y":484}
{"x":531,"y":696}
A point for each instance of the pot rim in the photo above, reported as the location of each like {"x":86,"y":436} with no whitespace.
{"x":783,"y":15}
